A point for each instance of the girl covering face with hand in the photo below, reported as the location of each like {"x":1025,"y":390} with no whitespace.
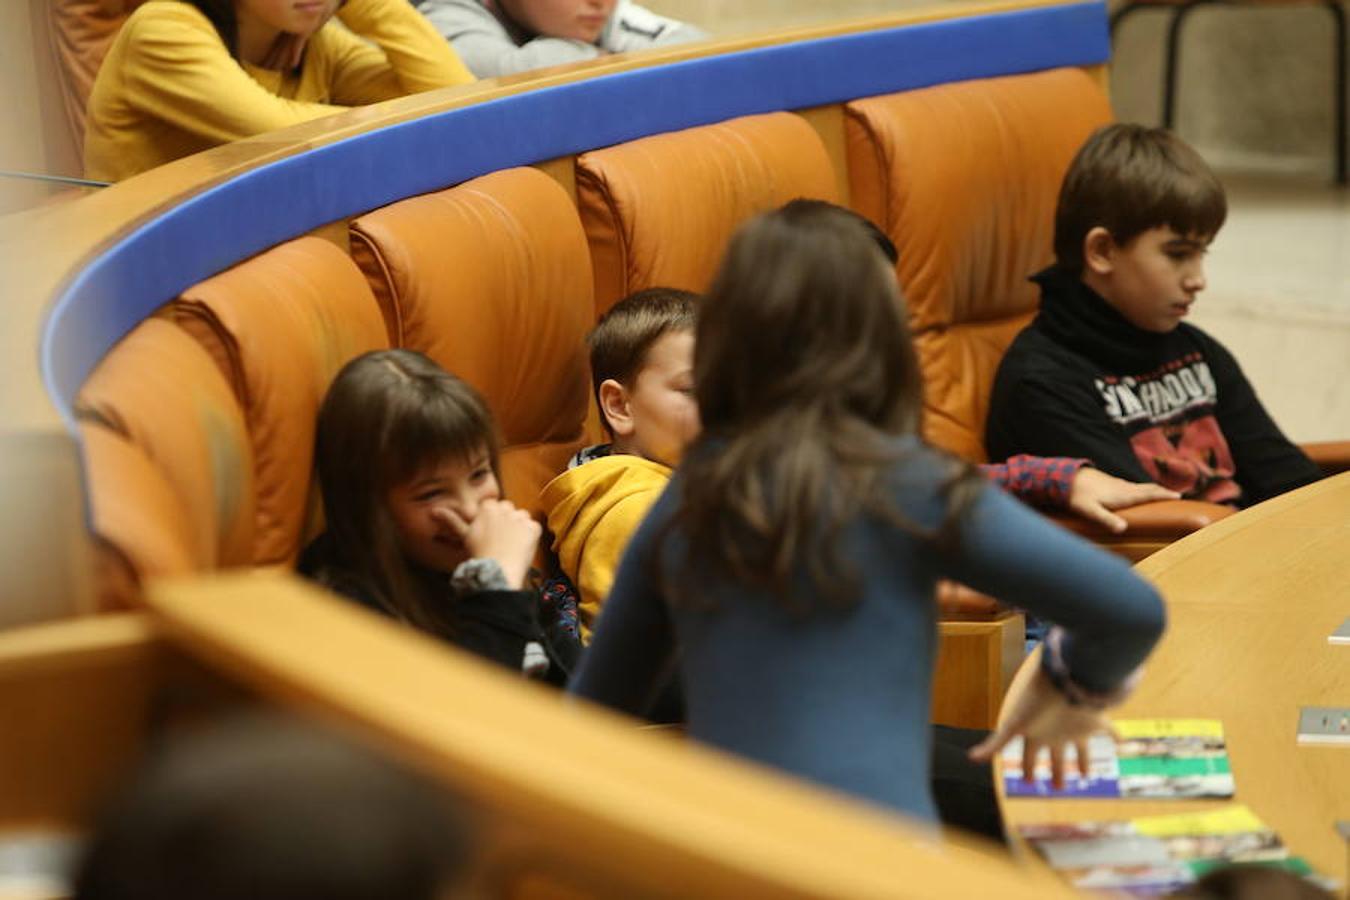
{"x":406,"y":455}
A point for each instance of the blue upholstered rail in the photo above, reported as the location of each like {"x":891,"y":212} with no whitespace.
{"x":270,"y":204}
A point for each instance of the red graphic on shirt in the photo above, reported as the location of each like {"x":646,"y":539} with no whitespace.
{"x":1189,"y":456}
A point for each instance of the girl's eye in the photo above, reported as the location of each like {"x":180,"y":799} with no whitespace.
{"x":425,"y":496}
{"x":480,"y":474}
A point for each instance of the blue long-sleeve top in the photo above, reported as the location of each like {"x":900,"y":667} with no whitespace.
{"x":841,"y":696}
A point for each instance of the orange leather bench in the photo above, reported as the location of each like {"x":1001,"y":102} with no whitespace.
{"x":499,"y":279}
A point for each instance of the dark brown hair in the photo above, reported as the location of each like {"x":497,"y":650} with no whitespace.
{"x":1129,"y":179}
{"x":222,"y":16}
{"x":803,"y":334}
{"x":621,"y":339}
{"x":271,"y":809}
{"x":388,"y":416}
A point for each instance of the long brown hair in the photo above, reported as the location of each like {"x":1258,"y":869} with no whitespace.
{"x":388,"y":416}
{"x":804,"y":373}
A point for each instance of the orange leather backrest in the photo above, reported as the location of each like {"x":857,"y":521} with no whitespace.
{"x":658,"y":211}
{"x":81,"y":32}
{"x":964,"y":178}
{"x":280,"y":326}
{"x":168,"y":461}
{"x":492,"y":280}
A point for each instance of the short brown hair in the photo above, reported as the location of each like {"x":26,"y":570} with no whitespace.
{"x":621,"y":339}
{"x":1129,"y":179}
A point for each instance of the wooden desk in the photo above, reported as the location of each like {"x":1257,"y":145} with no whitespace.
{"x":1250,"y":603}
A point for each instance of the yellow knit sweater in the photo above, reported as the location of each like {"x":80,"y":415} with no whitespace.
{"x":592,"y":511}
{"x":168,"y":86}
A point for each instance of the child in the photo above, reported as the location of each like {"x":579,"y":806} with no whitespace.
{"x":502,"y":37}
{"x":268,"y":808}
{"x":642,"y":355}
{"x":1108,"y":370}
{"x":406,"y":455}
{"x":792,"y":558}
{"x":182,"y":77}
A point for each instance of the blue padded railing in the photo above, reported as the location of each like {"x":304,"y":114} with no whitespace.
{"x":264,"y":206}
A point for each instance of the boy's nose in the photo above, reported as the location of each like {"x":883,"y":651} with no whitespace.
{"x":1195,"y":281}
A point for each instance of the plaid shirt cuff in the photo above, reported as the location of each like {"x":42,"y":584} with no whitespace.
{"x":1037,"y":480}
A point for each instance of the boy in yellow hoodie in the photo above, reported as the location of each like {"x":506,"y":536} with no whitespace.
{"x":642,"y":354}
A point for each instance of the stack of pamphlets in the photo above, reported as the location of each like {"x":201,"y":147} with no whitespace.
{"x":1159,"y":854}
{"x":1155,"y":758}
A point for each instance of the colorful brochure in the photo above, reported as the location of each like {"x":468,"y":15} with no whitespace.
{"x":1158,"y":854}
{"x":1155,"y":758}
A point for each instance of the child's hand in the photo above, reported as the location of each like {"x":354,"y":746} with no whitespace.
{"x":1045,"y":720}
{"x":1094,"y":494}
{"x":502,"y":532}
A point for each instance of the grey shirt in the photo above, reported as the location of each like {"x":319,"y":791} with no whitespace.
{"x":491,"y":45}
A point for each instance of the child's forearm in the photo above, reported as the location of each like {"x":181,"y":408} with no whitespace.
{"x":1036,"y":480}
{"x":419,"y":55}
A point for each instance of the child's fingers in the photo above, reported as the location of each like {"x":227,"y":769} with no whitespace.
{"x":450,"y":517}
{"x":1113,"y":523}
{"x":1147,"y":493}
{"x":1030,"y":750}
{"x":987,"y":748}
{"x":1057,"y":766}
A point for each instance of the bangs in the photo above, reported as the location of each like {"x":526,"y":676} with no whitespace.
{"x":433,"y":428}
{"x":1193,"y":207}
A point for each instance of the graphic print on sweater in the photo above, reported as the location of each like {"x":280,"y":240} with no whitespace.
{"x":1169,"y":416}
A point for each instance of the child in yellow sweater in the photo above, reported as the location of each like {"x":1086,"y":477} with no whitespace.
{"x":182,"y":77}
{"x":642,"y":355}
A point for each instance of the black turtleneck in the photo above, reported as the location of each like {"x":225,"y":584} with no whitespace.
{"x":1173,"y":408}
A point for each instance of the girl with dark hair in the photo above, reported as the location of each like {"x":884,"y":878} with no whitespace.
{"x":181,"y":77}
{"x":793,"y":557}
{"x":406,"y":455}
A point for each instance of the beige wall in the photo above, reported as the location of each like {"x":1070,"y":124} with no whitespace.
{"x":1256,"y":89}
{"x":21,"y":144}
{"x":29,"y":140}
{"x":1255,"y":84}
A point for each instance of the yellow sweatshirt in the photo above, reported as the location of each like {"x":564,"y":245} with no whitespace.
{"x":592,"y":511}
{"x":168,"y":86}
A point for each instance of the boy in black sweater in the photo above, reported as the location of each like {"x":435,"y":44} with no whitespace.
{"x":1108,"y":370}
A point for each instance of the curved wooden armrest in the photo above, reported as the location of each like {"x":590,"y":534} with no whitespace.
{"x":1332,"y":457}
{"x":1165,"y":519}
{"x":956,"y":602}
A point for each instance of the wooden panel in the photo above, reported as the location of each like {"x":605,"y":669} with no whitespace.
{"x":75,"y":700}
{"x":828,"y":122}
{"x":44,"y":547}
{"x":564,"y":171}
{"x":976,"y":663}
{"x":337,"y":234}
{"x":647,"y":815}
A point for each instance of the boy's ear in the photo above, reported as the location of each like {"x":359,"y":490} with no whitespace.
{"x":1099,"y":251}
{"x":615,"y":408}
